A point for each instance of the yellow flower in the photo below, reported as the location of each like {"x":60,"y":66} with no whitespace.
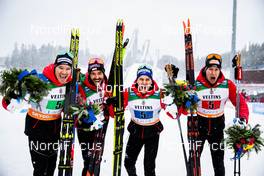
{"x":249,"y":146}
{"x":181,"y":82}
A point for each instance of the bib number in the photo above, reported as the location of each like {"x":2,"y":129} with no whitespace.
{"x":54,"y":105}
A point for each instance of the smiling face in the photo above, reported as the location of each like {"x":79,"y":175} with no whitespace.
{"x":212,"y":74}
{"x":62,"y":73}
{"x":97,"y":76}
{"x":144,"y":84}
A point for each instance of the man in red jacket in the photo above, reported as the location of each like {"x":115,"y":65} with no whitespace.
{"x":214,"y":90}
{"x":91,"y":130}
{"x":43,"y":119}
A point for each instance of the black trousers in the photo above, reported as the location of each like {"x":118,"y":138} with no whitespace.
{"x":212,"y":131}
{"x":133,"y":149}
{"x":43,"y":156}
{"x":217,"y":153}
{"x":92,"y":146}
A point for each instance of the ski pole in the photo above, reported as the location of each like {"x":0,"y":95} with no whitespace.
{"x":238,"y":77}
{"x":169,"y":71}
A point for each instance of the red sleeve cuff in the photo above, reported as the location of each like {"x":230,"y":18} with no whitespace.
{"x":5,"y":103}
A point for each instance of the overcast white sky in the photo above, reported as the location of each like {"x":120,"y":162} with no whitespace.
{"x":49,"y":21}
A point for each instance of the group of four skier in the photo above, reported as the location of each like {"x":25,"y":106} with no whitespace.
{"x":144,"y":100}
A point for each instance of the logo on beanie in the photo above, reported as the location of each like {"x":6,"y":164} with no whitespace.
{"x":215,"y":63}
{"x":93,"y":67}
{"x":64,"y":60}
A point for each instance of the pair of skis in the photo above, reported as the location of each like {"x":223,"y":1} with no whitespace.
{"x":96,"y":154}
{"x":194,"y":168}
{"x":193,"y":164}
{"x":116,"y":81}
{"x":67,"y":127}
{"x":68,"y":121}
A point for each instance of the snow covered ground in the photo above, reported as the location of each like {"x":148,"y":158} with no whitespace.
{"x":15,"y":158}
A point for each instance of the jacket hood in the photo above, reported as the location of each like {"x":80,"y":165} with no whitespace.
{"x":49,"y":72}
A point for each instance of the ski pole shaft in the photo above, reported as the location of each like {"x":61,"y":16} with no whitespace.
{"x":169,"y":71}
{"x":238,"y":77}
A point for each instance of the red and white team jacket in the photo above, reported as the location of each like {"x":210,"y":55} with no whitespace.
{"x":213,"y":98}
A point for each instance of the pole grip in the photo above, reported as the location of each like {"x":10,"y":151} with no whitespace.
{"x":238,"y":73}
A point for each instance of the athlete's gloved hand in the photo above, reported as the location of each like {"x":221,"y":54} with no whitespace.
{"x":111,"y":101}
{"x":168,"y":100}
{"x":17,"y":106}
{"x":241,"y":122}
{"x":97,"y":125}
{"x":173,"y":68}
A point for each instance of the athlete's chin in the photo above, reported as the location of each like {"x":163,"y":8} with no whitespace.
{"x":97,"y":82}
{"x":212,"y":81}
{"x":62,"y":81}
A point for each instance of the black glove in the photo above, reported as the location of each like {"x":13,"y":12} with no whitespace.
{"x":13,"y":95}
{"x":111,"y":101}
{"x":234,"y":61}
{"x":174,"y":69}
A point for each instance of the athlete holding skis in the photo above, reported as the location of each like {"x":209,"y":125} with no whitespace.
{"x":43,"y":119}
{"x":213,"y":90}
{"x":92,"y":129}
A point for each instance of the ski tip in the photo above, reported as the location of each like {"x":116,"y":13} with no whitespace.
{"x":120,"y":25}
{"x":184,"y":25}
{"x":72,"y":32}
{"x":123,"y":28}
{"x":187,"y":27}
{"x":119,"y":22}
{"x":77,"y":32}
